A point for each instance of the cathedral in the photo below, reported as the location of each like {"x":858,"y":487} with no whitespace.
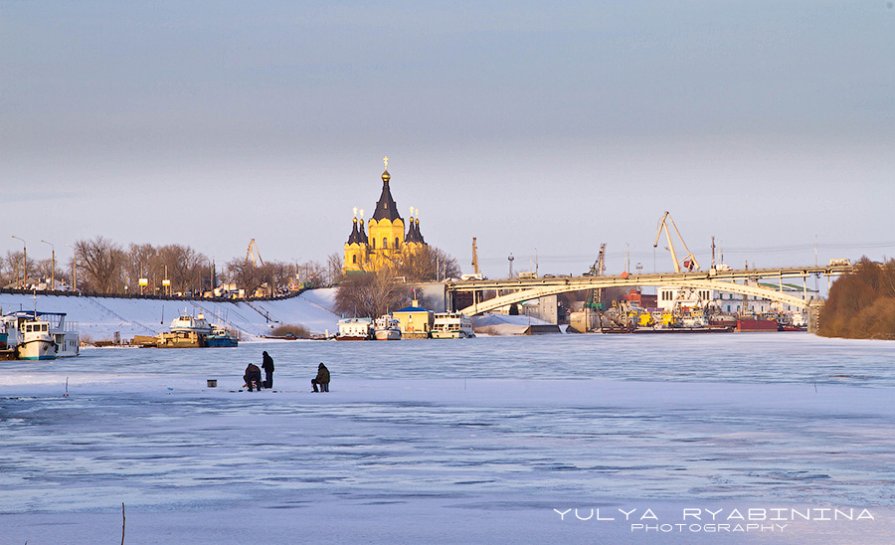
{"x":384,"y":241}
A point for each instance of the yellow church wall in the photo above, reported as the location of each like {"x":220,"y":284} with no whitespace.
{"x":385,"y":229}
{"x":355,"y":258}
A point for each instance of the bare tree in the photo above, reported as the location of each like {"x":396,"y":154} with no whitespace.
{"x":333,"y":269}
{"x":143,"y":262}
{"x":242,"y":273}
{"x":42,"y":272}
{"x":11,"y":270}
{"x":312,"y":274}
{"x":186,"y":267}
{"x":427,"y":264}
{"x":277,"y":275}
{"x":370,"y":294}
{"x":100,"y":265}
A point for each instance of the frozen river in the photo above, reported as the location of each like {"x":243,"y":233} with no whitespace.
{"x":484,"y":440}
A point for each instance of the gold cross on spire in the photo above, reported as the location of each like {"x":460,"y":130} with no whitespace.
{"x":385,"y":162}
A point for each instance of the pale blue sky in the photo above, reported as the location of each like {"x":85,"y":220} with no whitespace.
{"x":767,"y":124}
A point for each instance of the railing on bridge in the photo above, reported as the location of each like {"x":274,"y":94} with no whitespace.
{"x":520,"y":290}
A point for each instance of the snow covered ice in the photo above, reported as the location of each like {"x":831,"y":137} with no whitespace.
{"x":477,"y":441}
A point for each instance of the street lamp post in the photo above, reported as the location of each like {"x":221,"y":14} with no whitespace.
{"x":53,"y":265}
{"x":24,"y":261}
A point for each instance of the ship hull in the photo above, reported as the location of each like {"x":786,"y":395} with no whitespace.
{"x":388,"y":335}
{"x":37,"y":349}
{"x":221,"y":342}
{"x":745,"y":325}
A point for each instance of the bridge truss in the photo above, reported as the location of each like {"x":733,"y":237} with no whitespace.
{"x":510,"y":291}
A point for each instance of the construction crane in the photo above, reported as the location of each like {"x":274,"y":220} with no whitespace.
{"x":689,"y":262}
{"x":599,"y":266}
{"x":597,"y":269}
{"x":475,"y":257}
{"x":253,"y":255}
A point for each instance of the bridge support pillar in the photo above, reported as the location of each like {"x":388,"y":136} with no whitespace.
{"x":814,"y":309}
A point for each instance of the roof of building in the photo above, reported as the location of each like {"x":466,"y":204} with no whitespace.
{"x":411,"y":233}
{"x":386,"y":207}
{"x":354,"y":238}
{"x":413,"y":309}
{"x":362,"y":234}
{"x":416,"y":229}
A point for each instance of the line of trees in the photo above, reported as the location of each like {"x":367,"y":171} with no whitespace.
{"x":102,"y":266}
{"x":12,"y":270}
{"x":861,"y":305}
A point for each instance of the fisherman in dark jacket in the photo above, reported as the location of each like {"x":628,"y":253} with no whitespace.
{"x":252,"y":377}
{"x":322,"y":379}
{"x":267,"y":365}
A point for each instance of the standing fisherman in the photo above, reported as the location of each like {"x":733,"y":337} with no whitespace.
{"x":267,"y":365}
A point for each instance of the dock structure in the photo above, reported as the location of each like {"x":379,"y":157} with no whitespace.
{"x":517,"y":290}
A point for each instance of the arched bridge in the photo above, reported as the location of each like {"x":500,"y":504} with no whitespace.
{"x":517,"y":290}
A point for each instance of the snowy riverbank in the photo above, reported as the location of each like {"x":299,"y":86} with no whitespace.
{"x":99,"y":318}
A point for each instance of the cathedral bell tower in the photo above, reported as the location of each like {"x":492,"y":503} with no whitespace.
{"x":383,"y":243}
{"x":386,"y":227}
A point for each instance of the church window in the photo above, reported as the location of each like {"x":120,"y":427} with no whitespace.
{"x":374,"y":243}
{"x":354,"y":259}
{"x":396,"y":243}
{"x":384,"y":243}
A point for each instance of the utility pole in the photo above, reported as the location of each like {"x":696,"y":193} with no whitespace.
{"x":53,"y":265}
{"x":166,"y":283}
{"x":74,"y":272}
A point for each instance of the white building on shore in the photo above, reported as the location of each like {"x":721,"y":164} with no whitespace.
{"x":669,"y":297}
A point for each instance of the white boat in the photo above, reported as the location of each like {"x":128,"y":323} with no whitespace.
{"x":188,"y":323}
{"x":186,"y":331}
{"x":452,"y":325}
{"x":33,"y":335}
{"x":355,"y":329}
{"x":386,"y":328}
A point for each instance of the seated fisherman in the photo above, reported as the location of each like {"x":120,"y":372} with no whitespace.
{"x":252,"y":377}
{"x":322,"y":378}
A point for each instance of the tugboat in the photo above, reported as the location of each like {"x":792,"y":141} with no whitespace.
{"x":221,"y":337}
{"x":386,"y":328}
{"x":452,"y":325}
{"x":33,"y":335}
{"x":187,"y":331}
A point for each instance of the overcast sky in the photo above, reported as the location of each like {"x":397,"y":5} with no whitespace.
{"x":535,"y":127}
